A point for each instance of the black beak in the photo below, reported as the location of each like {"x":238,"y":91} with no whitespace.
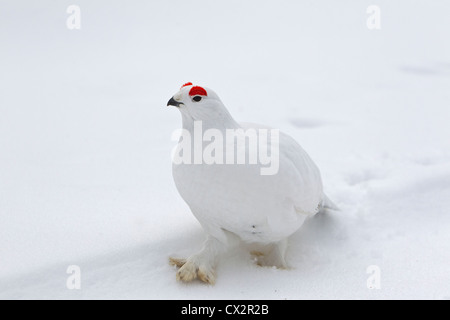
{"x":173,"y":102}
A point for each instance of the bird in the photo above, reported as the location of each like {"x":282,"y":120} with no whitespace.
{"x":239,"y":201}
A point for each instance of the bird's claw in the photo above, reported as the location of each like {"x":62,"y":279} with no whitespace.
{"x":190,"y":270}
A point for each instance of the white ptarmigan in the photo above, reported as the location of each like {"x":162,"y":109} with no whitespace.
{"x":235,"y":201}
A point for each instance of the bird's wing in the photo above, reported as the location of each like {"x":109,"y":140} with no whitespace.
{"x":301,"y":176}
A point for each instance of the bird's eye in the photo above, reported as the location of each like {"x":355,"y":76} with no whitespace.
{"x":197,"y":98}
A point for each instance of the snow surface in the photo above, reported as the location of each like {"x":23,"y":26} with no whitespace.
{"x":85,"y":143}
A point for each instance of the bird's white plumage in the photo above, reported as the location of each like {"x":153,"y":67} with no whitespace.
{"x":256,"y":207}
{"x":237,"y":199}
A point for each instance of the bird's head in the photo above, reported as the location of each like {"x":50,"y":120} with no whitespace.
{"x":199,"y":103}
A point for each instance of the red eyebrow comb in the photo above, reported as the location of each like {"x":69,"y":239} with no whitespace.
{"x":197,"y":91}
{"x":186,"y":84}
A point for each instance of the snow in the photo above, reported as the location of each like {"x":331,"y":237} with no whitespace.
{"x":85,"y":140}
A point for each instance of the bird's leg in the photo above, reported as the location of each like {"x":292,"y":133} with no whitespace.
{"x":278,"y":255}
{"x":202,"y":264}
{"x":275,"y":257}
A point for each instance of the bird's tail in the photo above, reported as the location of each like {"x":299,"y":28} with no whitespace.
{"x":328,"y":204}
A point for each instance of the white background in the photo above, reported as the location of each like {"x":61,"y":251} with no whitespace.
{"x":85,"y":143}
